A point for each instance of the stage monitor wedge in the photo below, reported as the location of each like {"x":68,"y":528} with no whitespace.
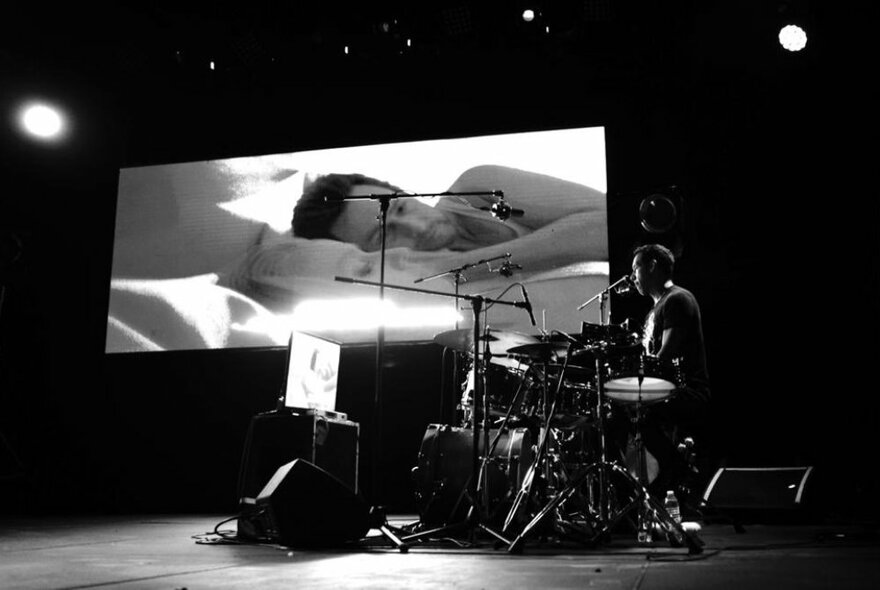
{"x":304,"y":506}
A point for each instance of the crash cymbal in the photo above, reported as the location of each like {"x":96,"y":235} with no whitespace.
{"x":499,"y":341}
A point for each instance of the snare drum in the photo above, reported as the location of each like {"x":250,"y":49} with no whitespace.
{"x":641,"y":378}
{"x":444,"y":469}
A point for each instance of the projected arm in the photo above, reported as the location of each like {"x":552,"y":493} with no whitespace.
{"x":543,"y":198}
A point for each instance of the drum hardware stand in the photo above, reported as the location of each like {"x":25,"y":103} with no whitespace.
{"x":458,"y":278}
{"x":476,"y":518}
{"x":526,"y":489}
{"x":382,"y":217}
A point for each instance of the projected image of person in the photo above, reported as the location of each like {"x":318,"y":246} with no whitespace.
{"x":234,"y":253}
{"x":563,"y":223}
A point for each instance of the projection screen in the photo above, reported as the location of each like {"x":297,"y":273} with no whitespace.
{"x":206,"y":255}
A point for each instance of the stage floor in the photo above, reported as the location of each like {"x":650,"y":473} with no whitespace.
{"x":153,"y":551}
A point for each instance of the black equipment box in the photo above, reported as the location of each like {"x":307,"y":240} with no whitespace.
{"x":277,"y":438}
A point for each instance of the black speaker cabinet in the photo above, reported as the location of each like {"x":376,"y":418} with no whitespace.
{"x":277,"y":438}
{"x":304,"y":506}
{"x":759,"y":494}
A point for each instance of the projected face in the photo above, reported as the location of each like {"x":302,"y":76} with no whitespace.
{"x":410,"y":223}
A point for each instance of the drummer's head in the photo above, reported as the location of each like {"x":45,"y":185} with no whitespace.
{"x":322,"y":212}
{"x":652,"y":266}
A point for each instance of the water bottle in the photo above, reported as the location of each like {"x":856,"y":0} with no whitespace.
{"x":672,"y":507}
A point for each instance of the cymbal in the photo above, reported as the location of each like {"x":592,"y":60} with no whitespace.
{"x":499,"y":341}
{"x":540,"y":350}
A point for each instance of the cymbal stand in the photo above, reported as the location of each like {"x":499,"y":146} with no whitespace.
{"x":458,"y":278}
{"x":476,"y":518}
{"x":525,"y":492}
{"x":384,"y":200}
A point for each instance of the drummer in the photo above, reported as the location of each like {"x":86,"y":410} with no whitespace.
{"x":673,"y":329}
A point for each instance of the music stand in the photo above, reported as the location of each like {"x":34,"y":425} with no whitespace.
{"x":475,"y":518}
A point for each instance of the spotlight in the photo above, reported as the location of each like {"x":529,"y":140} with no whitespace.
{"x":42,"y":121}
{"x":792,"y":37}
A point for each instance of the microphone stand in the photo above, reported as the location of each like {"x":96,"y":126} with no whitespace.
{"x":458,"y":279}
{"x":384,"y":204}
{"x":476,"y":517}
{"x":602,"y":296}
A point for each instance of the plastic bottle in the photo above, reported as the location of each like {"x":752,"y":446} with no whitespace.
{"x":672,"y":507}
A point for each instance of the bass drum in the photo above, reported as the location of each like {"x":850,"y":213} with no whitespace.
{"x":441,"y":478}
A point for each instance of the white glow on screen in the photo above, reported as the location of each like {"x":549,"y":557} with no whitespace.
{"x":42,"y":121}
{"x":793,"y":38}
{"x":367,"y":314}
{"x":356,"y":314}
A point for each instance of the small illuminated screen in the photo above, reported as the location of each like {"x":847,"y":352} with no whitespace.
{"x":240,"y":252}
{"x":312,"y":372}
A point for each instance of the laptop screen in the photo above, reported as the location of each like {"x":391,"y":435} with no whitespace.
{"x":312,"y":372}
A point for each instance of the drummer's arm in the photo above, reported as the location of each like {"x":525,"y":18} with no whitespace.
{"x":672,"y":343}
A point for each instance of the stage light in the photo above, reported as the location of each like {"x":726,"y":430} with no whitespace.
{"x":528,"y":15}
{"x":792,"y":37}
{"x":42,"y":121}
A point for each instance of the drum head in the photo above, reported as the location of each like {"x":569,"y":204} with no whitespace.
{"x":628,"y":390}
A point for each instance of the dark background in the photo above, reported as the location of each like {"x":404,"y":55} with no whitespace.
{"x":764,"y":146}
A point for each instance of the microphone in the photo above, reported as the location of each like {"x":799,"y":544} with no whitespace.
{"x":528,"y":305}
{"x":501,"y":210}
{"x":625,"y":285}
{"x":506,"y":269}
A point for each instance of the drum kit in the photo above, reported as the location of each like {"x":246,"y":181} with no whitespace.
{"x":547,"y":471}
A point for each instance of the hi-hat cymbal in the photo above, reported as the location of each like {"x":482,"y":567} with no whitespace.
{"x":499,"y":341}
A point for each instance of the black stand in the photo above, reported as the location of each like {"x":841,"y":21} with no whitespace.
{"x":384,"y":204}
{"x":476,"y":518}
{"x":459,"y":278}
